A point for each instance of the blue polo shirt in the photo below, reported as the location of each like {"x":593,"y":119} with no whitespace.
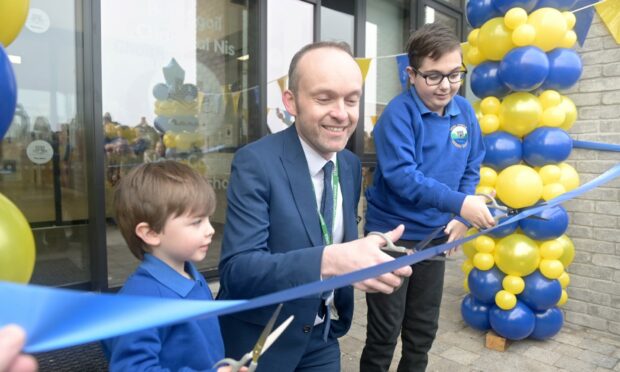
{"x":426,"y":165}
{"x":191,"y":346}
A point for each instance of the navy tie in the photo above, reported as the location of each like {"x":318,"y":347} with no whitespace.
{"x":327,"y":211}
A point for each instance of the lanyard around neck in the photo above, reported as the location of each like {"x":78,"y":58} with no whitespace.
{"x":328,"y":235}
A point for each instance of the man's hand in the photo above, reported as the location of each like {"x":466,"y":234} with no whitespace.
{"x":455,"y":230}
{"x":339,"y":259}
{"x":475,"y":211}
{"x":12,"y":339}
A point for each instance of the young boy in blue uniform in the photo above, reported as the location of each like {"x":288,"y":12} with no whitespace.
{"x":163,"y":211}
{"x":429,"y":150}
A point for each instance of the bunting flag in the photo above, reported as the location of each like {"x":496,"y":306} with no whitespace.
{"x":402,"y":60}
{"x":584,"y":13}
{"x":609,"y":11}
{"x":373,"y":119}
{"x":364,"y":64}
{"x":282,"y":83}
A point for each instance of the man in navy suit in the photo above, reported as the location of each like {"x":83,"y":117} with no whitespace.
{"x":277,"y":233}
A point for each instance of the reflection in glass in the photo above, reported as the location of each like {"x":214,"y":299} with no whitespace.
{"x":176,"y":85}
{"x":42,"y":157}
{"x":432,"y":15}
{"x":337,"y":21}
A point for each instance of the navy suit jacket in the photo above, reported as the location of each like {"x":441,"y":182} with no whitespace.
{"x":273,"y":241}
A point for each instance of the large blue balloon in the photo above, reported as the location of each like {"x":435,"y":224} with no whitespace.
{"x":548,"y":323}
{"x":565,"y":68}
{"x":484,"y":284}
{"x":514,"y":324}
{"x":503,"y":231}
{"x":475,"y":313}
{"x":8,"y":93}
{"x":553,"y":227}
{"x":505,"y":5}
{"x":485,"y":81}
{"x":546,"y":145}
{"x":540,"y":293}
{"x":557,"y":4}
{"x":502,"y":150}
{"x":480,"y":11}
{"x":524,"y":69}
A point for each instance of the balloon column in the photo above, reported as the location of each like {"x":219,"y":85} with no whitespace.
{"x":17,"y":249}
{"x":523,"y":59}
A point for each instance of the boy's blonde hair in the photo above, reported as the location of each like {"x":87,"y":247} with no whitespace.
{"x":156,"y":192}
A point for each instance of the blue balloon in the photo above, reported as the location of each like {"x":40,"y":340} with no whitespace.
{"x":161,"y":91}
{"x":546,"y":145}
{"x":475,"y":313}
{"x":480,"y":11}
{"x":502,"y":150}
{"x":524,"y":69}
{"x":485,"y":81}
{"x":560,"y":5}
{"x":540,"y":293}
{"x":503,"y":231}
{"x":514,"y":324}
{"x":505,"y":5}
{"x":565,"y":69}
{"x":8,"y":93}
{"x":553,"y":227}
{"x":483,"y":285}
{"x":548,"y":323}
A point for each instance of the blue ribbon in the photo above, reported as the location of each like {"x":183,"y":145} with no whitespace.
{"x":596,"y":146}
{"x":56,"y":318}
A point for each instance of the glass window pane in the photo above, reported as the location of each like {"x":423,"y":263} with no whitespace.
{"x":178,"y":83}
{"x":284,"y":16}
{"x":432,"y":15}
{"x":337,"y":21}
{"x":387,"y":29}
{"x":42,"y":157}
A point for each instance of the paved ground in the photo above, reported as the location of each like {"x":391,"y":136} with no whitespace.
{"x":460,"y":348}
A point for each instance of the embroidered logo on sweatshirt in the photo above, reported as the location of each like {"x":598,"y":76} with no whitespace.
{"x":458,"y":135}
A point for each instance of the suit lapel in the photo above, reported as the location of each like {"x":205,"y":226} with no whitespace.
{"x":296,"y":168}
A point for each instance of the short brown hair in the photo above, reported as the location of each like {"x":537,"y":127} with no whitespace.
{"x":432,"y":40}
{"x":155,"y":192}
{"x":293,"y":74}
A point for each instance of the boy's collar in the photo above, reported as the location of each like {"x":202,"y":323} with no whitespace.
{"x":167,"y":276}
{"x":452,"y":109}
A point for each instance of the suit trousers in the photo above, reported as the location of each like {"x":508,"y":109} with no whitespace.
{"x":411,"y":311}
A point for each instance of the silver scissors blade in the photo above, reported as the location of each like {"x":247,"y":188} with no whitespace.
{"x":258,"y":348}
{"x":276,"y":333}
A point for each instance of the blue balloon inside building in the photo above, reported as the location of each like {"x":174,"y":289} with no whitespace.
{"x":547,"y":145}
{"x":8,"y":93}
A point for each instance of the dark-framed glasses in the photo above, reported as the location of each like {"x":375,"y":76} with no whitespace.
{"x":435,"y":78}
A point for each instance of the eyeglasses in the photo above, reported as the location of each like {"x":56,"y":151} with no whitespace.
{"x":435,"y":78}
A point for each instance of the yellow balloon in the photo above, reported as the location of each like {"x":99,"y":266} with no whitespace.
{"x":124,"y":131}
{"x":484,"y":244}
{"x":570,"y":112}
{"x":519,"y":186}
{"x":524,"y":35}
{"x":475,"y":56}
{"x":569,"y":39}
{"x":488,"y":176}
{"x":568,"y":250}
{"x":13,"y":14}
{"x":170,"y":139}
{"x":485,"y":190}
{"x":110,"y":131}
{"x":570,"y":19}
{"x":563,"y":298}
{"x":553,"y":117}
{"x":505,"y":300}
{"x":184,"y":141}
{"x":513,"y":284}
{"x":564,"y":280}
{"x":550,"y":174}
{"x":517,"y":255}
{"x":515,"y":17}
{"x":569,"y":178}
{"x":551,"y":269}
{"x":199,"y":141}
{"x":472,"y":38}
{"x":464,"y":51}
{"x":466,"y":266}
{"x":494,"y":39}
{"x":489,"y":123}
{"x":477,"y":110}
{"x":550,"y":98}
{"x":490,"y":105}
{"x":550,"y":28}
{"x":17,"y":249}
{"x":468,"y":247}
{"x":552,"y":190}
{"x":483,"y":261}
{"x":551,"y":249}
{"x":520,"y":113}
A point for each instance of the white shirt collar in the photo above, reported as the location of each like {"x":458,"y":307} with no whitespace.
{"x":315,"y":161}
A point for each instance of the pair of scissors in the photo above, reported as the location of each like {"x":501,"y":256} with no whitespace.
{"x":390,"y":247}
{"x":505,"y":211}
{"x":266,"y":339}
